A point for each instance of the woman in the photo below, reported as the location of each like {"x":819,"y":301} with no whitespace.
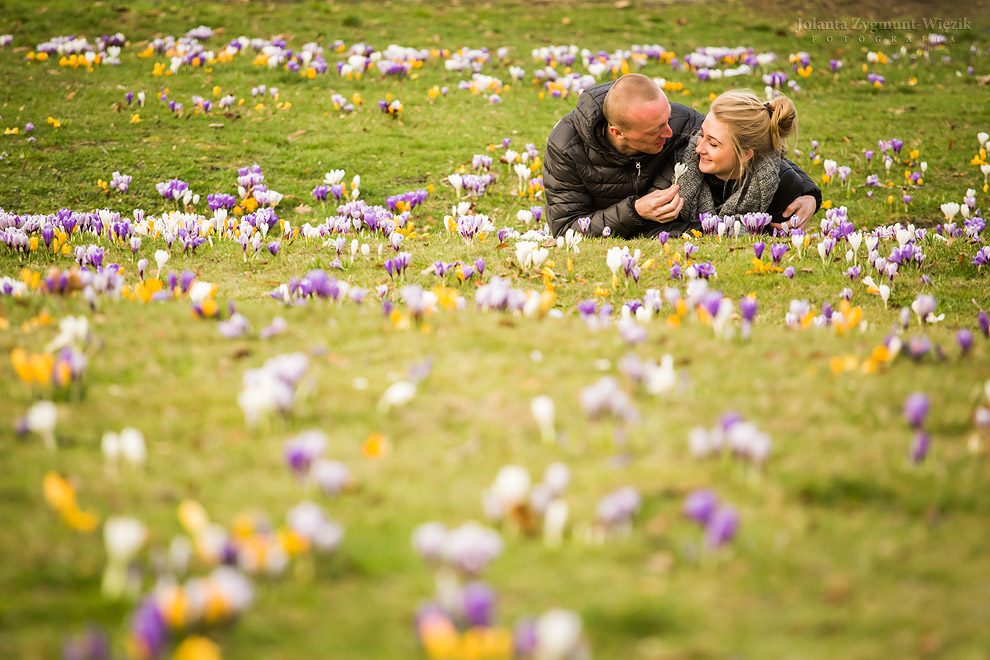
{"x":734,"y":162}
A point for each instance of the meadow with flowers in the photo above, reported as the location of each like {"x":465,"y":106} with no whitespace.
{"x":293,"y":368}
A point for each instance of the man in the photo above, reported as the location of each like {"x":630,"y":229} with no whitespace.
{"x":612,"y":160}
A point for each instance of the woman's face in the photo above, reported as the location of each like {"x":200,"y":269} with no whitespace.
{"x":715,"y":150}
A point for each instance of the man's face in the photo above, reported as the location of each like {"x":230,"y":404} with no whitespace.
{"x":647,"y":127}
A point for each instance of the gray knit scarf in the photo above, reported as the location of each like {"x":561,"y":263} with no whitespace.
{"x":754,"y":194}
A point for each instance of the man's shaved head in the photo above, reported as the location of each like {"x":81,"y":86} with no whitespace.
{"x":630,"y":91}
{"x":638,"y":115}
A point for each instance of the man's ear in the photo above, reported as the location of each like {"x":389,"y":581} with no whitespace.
{"x":614,"y":130}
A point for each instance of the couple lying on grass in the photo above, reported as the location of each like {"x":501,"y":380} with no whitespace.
{"x":612,"y":160}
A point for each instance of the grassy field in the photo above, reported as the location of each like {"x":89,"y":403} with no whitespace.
{"x":845,"y":547}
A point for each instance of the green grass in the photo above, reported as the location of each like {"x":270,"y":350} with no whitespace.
{"x":844,"y":549}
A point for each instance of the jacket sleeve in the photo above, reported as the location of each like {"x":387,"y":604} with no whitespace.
{"x":793,"y":184}
{"x":800,"y":184}
{"x":568,"y":200}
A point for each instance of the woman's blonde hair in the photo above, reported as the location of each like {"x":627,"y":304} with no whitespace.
{"x":753,"y":124}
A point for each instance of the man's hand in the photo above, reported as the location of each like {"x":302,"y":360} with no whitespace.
{"x":665,"y":205}
{"x":803,"y":207}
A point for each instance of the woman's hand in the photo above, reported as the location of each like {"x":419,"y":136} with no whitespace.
{"x":799,"y":211}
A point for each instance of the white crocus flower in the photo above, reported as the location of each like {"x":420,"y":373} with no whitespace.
{"x":558,"y":635}
{"x":510,"y":488}
{"x":161,"y":258}
{"x":457,"y":181}
{"x":540,"y":255}
{"x":398,"y":394}
{"x":543,"y":412}
{"x":662,"y":378}
{"x":200,"y":291}
{"x":41,"y":419}
{"x":333,"y":177}
{"x":797,"y":240}
{"x":855,"y":240}
{"x":73,"y":331}
{"x":522,"y":171}
{"x":884,"y":294}
{"x":982,"y":138}
{"x":872,"y":240}
{"x":679,"y":170}
{"x":110,"y":445}
{"x":613,"y":259}
{"x":524,"y":253}
{"x":950,"y":209}
{"x":904,"y":235}
{"x":554,"y":523}
{"x":132,"y":446}
{"x":123,"y":538}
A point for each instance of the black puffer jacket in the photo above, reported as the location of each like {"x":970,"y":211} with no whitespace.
{"x":584,"y":176}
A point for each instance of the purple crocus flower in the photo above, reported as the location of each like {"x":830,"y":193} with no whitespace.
{"x":479,"y":604}
{"x":777,"y":251}
{"x":789,"y":272}
{"x":916,"y":409}
{"x":919,"y":448}
{"x":91,"y":645}
{"x":584,"y":224}
{"x":869,"y":155}
{"x":606,"y":232}
{"x":675,"y":271}
{"x":149,"y":628}
{"x":965,"y":339}
{"x":918,"y":347}
{"x":721,"y":527}
{"x":758,"y":248}
{"x":129,"y":96}
{"x":632,"y":332}
{"x":479,"y":266}
{"x":705,"y":269}
{"x":301,"y":451}
{"x":142,"y":266}
{"x":524,"y":639}
{"x":896,"y":144}
{"x":853,"y":273}
{"x":663,"y":237}
{"x":700,"y":505}
{"x":983,"y":322}
{"x":587,"y":307}
{"x":748,"y":307}
{"x":185,"y":280}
